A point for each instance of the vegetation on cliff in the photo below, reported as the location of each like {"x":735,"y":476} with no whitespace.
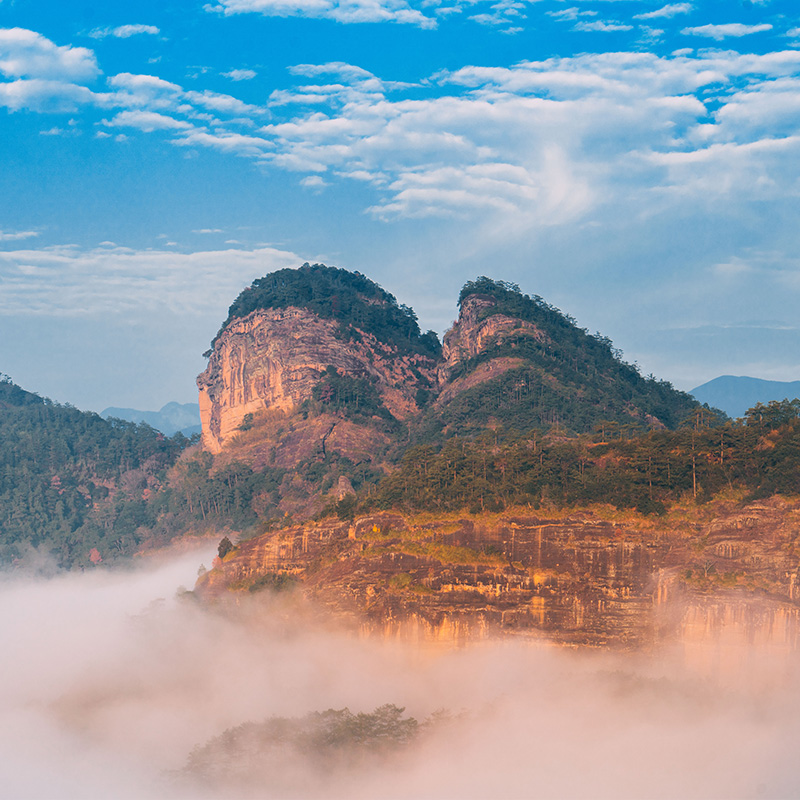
{"x":759,"y":454}
{"x":565,"y":376}
{"x":353,"y":398}
{"x":352,"y":299}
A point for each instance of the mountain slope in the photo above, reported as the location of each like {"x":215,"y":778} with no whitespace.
{"x":517,"y":361}
{"x":72,"y":482}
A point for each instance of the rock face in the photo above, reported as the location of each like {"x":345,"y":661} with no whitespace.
{"x":508,"y":357}
{"x":576,"y":580}
{"x":470,"y":335}
{"x":273,"y":358}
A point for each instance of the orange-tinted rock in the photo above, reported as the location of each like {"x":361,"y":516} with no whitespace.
{"x":273,"y":359}
{"x":576,"y":580}
{"x":473,"y":334}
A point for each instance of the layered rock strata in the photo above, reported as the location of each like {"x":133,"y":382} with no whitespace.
{"x":473,"y":334}
{"x":580,"y":580}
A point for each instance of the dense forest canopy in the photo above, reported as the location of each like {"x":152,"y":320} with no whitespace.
{"x":71,"y":481}
{"x":758,"y":455}
{"x":349,"y":297}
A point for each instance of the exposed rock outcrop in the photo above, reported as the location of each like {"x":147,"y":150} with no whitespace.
{"x":582,"y":579}
{"x":273,"y":359}
{"x":474,"y":334}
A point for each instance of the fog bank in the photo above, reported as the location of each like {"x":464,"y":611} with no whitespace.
{"x":110,"y":679}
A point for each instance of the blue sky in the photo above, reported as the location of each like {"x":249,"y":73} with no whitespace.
{"x":636,"y":163}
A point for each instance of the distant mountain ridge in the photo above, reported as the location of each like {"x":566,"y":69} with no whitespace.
{"x":171,"y":419}
{"x":736,"y":394}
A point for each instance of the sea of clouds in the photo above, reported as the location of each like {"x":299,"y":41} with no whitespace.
{"x":111,"y":678}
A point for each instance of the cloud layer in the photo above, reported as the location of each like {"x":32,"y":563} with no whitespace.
{"x":111,"y":681}
{"x":546,"y":142}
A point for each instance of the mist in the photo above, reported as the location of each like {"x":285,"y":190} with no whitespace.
{"x":112,"y":678}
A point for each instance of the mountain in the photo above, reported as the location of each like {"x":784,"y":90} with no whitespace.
{"x":75,"y":488}
{"x":517,"y":361}
{"x":316,"y":335}
{"x":510,"y":359}
{"x":171,"y":419}
{"x":312,"y":379}
{"x":735,"y":395}
{"x":319,"y":376}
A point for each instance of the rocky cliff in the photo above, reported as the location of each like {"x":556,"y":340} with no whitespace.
{"x":474,"y":334}
{"x":509,"y":358}
{"x":273,"y":358}
{"x":590,"y":577}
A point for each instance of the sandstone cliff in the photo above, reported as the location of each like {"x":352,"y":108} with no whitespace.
{"x":472,"y":335}
{"x":509,"y":358}
{"x":273,"y":358}
{"x":587,"y":578}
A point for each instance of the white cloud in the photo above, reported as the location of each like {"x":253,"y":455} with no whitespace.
{"x":142,"y":83}
{"x":720,"y":32}
{"x":27,"y":54}
{"x":599,"y":113}
{"x":147,"y":121}
{"x":241,"y":74}
{"x":46,"y":96}
{"x":670,"y":10}
{"x":568,"y":14}
{"x":600,"y":25}
{"x":233,"y":143}
{"x":762,"y":111}
{"x":349,"y":11}
{"x":544,"y":141}
{"x":221,"y":103}
{"x":503,"y":14}
{"x":313,"y":182}
{"x":151,"y":93}
{"x":70,"y":281}
{"x":125,"y":31}
{"x":343,"y":70}
{"x":8,"y":236}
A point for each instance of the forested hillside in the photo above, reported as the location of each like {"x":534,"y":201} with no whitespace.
{"x":552,"y":374}
{"x":759,"y":455}
{"x":72,"y":482}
